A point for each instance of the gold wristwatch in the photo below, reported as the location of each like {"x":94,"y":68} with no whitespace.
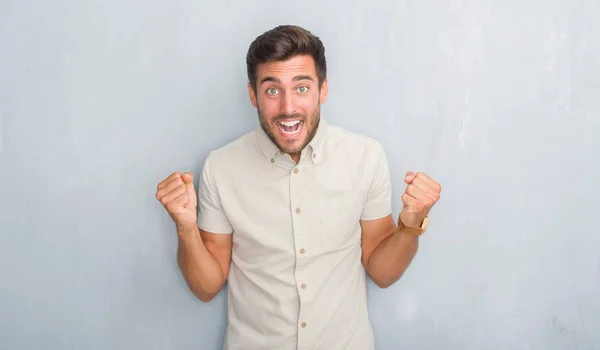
{"x":413,"y":231}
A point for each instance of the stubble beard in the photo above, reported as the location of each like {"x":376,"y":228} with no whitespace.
{"x":314,"y":124}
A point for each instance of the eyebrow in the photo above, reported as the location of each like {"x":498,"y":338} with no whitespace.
{"x":296,"y":78}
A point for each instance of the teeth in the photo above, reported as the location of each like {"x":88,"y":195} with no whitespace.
{"x":292,"y":123}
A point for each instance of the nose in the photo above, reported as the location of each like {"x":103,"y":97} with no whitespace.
{"x":287,"y":104}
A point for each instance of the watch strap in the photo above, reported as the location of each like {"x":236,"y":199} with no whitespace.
{"x":413,"y":231}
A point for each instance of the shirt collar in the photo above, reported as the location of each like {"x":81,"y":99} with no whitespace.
{"x":312,"y":150}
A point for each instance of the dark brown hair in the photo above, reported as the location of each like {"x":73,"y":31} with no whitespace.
{"x":282,"y":43}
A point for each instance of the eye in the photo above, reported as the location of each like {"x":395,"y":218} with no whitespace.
{"x":302,"y":89}
{"x":272,"y":91}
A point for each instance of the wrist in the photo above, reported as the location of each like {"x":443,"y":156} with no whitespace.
{"x":186,"y":231}
{"x":411,"y":222}
{"x":412,"y":227}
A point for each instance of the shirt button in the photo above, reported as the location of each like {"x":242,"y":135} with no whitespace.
{"x":303,"y":286}
{"x":314,"y":155}
{"x":298,"y":210}
{"x":303,"y":324}
{"x":302,"y":251}
{"x":272,"y":160}
{"x":296,"y":171}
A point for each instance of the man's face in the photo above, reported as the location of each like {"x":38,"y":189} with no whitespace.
{"x":288,"y":101}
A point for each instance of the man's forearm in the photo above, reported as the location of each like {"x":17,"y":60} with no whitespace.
{"x":391,"y":258}
{"x":200,"y":269}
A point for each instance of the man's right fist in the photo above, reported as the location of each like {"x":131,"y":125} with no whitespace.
{"x":177,"y":195}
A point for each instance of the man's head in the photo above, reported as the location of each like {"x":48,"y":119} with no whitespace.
{"x":287,"y":82}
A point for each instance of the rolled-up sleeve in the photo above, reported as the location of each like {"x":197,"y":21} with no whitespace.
{"x":211,"y":217}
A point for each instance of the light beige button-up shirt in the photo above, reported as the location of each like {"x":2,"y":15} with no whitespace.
{"x":296,"y":279}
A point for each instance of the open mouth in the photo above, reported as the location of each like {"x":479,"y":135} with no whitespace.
{"x":290,"y":128}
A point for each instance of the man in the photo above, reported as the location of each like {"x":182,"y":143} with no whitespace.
{"x":295,"y":213}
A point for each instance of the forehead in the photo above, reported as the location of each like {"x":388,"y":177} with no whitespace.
{"x":287,"y":70}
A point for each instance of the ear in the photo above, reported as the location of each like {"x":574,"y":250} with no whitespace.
{"x":324,"y":91}
{"x":252,"y":95}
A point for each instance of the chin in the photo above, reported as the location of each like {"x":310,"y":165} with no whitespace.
{"x":291,"y":146}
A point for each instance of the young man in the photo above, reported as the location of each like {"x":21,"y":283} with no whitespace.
{"x":295,"y":213}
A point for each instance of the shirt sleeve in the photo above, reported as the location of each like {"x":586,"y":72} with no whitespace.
{"x":379,"y":195}
{"x":211,"y":217}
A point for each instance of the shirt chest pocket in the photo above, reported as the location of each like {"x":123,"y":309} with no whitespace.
{"x":339,"y":220}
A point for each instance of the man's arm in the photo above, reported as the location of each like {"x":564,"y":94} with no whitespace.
{"x":205,"y":236}
{"x":386,"y":252}
{"x":204,"y":258}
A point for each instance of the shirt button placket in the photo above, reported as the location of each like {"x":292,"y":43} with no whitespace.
{"x":300,"y":239}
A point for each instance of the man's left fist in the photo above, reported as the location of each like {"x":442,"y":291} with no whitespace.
{"x":420,"y":195}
